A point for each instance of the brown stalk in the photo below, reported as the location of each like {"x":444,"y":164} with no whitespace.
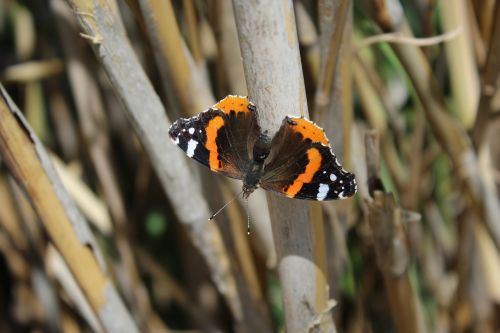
{"x":148,"y":117}
{"x":489,"y":80}
{"x":192,"y":29}
{"x":257,"y":317}
{"x":333,"y":99}
{"x":391,"y":251}
{"x":330,"y":54}
{"x":29,"y":163}
{"x":260,"y":224}
{"x":229,"y":48}
{"x":333,"y":111}
{"x":309,"y":40}
{"x":276,"y":84}
{"x":174,"y":59}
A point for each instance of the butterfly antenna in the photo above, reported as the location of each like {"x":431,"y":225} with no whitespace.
{"x":225,"y":205}
{"x":248,"y":217}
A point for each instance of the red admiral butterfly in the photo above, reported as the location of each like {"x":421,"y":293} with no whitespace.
{"x":298,"y":162}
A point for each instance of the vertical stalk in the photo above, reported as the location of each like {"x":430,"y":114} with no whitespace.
{"x":273,"y":71}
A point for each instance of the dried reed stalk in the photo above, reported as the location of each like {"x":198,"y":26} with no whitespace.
{"x":274,"y":78}
{"x":31,"y":166}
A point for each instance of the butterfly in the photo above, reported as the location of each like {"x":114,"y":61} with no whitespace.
{"x":297,"y":162}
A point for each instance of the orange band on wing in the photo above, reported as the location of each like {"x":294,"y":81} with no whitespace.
{"x":314,"y":157}
{"x":211,"y":130}
{"x":233,"y":103}
{"x":310,"y":130}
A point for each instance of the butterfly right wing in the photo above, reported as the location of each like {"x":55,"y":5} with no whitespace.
{"x":220,"y":137}
{"x":301,"y":164}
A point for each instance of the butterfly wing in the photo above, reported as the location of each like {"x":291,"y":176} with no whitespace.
{"x":220,"y":137}
{"x":302,"y":165}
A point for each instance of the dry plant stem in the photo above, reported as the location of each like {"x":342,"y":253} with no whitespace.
{"x":260,"y":223}
{"x":334,"y":112}
{"x":173,"y":57}
{"x":391,"y":252}
{"x":462,"y":65}
{"x":192,"y":29}
{"x":31,"y":166}
{"x":337,"y":12}
{"x":477,"y":39}
{"x":257,"y":317}
{"x":241,"y":246}
{"x":308,"y":39}
{"x":92,"y":207}
{"x":230,"y":48}
{"x":93,"y":123}
{"x":487,"y":16}
{"x":333,"y":100}
{"x":395,"y":37}
{"x":489,"y":79}
{"x":147,"y":115}
{"x":58,"y":269}
{"x":273,"y":71}
{"x":167,"y":42}
{"x":8,"y":218}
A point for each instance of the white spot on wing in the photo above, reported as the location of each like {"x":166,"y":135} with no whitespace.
{"x":191,"y":130}
{"x":191,"y":147}
{"x":322,"y":191}
{"x":176,"y":141}
{"x":333,"y":177}
{"x":341,"y":195}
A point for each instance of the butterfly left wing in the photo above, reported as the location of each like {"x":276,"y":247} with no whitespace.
{"x":220,"y":137}
{"x":302,"y":165}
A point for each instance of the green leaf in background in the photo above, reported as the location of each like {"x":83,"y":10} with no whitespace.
{"x":156,"y":224}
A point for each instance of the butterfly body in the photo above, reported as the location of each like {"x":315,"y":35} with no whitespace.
{"x":296,"y":162}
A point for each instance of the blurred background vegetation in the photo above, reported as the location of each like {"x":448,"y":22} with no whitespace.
{"x":417,"y":249}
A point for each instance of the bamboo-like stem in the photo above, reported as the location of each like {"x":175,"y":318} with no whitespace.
{"x":67,"y":229}
{"x":147,"y":115}
{"x":275,"y":82}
